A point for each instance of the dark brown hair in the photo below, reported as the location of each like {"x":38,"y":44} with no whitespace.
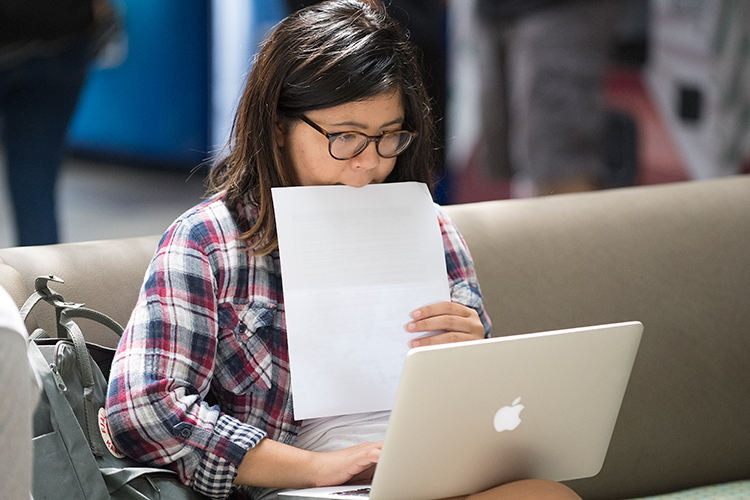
{"x":328,"y":54}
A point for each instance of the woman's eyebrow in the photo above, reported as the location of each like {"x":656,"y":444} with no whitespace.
{"x":397,"y":121}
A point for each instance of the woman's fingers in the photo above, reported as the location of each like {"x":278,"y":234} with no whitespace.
{"x":451,"y":321}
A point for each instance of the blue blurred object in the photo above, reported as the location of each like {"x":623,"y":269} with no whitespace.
{"x":154,"y":106}
{"x":157,"y":104}
{"x":238,"y":27}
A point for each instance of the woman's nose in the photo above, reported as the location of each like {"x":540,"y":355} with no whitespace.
{"x":368,"y":158}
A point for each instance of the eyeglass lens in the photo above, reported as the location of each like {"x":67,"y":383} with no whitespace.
{"x":346,"y":146}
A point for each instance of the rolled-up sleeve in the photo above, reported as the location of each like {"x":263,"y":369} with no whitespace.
{"x":462,"y":278}
{"x":164,"y":367}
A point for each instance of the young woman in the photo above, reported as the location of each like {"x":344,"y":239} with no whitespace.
{"x":200,"y":382}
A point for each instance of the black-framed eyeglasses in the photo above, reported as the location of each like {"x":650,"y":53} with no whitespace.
{"x":346,"y":145}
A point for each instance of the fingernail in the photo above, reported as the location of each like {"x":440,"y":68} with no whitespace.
{"x":411,"y":326}
{"x":414,"y":343}
{"x":416,"y":314}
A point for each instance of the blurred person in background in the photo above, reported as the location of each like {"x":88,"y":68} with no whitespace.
{"x":542,"y":68}
{"x":46,"y":47}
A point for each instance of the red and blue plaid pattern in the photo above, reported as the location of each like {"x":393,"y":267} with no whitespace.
{"x":201,"y":374}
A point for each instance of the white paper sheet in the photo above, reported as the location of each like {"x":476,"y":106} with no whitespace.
{"x":354,"y":262}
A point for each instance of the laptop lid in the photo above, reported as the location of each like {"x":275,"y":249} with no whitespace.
{"x":470,"y":416}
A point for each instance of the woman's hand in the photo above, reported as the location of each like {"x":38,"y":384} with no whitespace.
{"x":454,"y":322}
{"x":277,"y":465}
{"x":351,"y":465}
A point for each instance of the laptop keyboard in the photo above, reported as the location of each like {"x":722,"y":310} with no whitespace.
{"x":361,"y":492}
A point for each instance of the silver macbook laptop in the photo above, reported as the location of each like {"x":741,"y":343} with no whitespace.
{"x":470,"y":416}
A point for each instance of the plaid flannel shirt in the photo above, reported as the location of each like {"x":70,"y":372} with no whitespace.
{"x":201,"y":374}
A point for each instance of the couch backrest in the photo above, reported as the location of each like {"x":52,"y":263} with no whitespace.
{"x":105,"y":275}
{"x":675,"y":257}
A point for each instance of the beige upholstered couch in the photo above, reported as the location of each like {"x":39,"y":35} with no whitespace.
{"x":675,"y":257}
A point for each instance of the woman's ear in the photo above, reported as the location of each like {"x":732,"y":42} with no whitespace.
{"x":280,"y":134}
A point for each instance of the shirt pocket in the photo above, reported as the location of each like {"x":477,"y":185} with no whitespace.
{"x":244,"y":352}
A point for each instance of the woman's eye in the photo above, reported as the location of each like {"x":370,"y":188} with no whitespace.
{"x":347,"y":137}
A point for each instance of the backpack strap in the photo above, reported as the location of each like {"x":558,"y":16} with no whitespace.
{"x":87,"y":379}
{"x":75,"y":310}
{"x":41,"y":292}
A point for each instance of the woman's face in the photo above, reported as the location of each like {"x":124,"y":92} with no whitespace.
{"x":307,"y":149}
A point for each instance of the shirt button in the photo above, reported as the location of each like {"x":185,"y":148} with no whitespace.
{"x":242,"y":328}
{"x":185,"y":432}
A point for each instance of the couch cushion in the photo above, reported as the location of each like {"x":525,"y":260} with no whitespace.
{"x":738,"y":490}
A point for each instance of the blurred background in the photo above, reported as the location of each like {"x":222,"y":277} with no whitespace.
{"x":534,"y":98}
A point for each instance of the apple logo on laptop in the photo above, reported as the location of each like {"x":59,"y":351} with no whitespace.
{"x":507,"y":418}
